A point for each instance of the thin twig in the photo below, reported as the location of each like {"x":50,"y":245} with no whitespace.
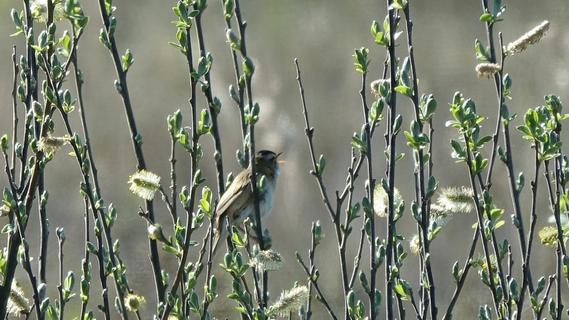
{"x":31,"y":95}
{"x":193,"y":168}
{"x":311,"y":257}
{"x":545,"y":296}
{"x":334,"y":213}
{"x":392,"y":137}
{"x":424,"y":202}
{"x":120,"y":285}
{"x":479,"y":211}
{"x":62,"y":301}
{"x":357,"y":258}
{"x":252,"y":152}
{"x":173,"y":181}
{"x":20,"y":229}
{"x":463,"y":274}
{"x":97,"y":192}
{"x":86,"y":256}
{"x":370,"y":186}
{"x":241,"y":88}
{"x":136,"y":143}
{"x":499,"y":94}
{"x":321,"y":297}
{"x":15,"y":120}
{"x":212,"y":108}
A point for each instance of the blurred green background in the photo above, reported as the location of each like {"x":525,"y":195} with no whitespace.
{"x":323,"y":35}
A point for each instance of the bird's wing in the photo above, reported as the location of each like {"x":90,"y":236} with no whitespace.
{"x":236,"y":196}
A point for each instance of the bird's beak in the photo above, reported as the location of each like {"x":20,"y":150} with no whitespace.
{"x":280,"y":161}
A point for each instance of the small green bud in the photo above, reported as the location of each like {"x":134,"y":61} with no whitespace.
{"x":4,"y":142}
{"x":60,"y":234}
{"x":317,"y":232}
{"x":216,"y":105}
{"x":127,"y":60}
{"x":233,"y":40}
{"x":248,"y":67}
{"x":38,"y":110}
{"x":553,"y":103}
{"x":228,"y":6}
{"x":118,"y":86}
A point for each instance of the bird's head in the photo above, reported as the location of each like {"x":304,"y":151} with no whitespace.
{"x":267,"y":162}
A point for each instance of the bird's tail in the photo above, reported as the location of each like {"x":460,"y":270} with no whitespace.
{"x":215,"y":241}
{"x":217,"y":234}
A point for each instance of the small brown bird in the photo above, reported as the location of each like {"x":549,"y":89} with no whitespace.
{"x":236,"y":204}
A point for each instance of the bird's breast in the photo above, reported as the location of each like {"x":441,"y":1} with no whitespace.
{"x":266,"y":203}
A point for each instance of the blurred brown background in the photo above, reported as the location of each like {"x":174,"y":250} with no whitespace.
{"x":323,"y":34}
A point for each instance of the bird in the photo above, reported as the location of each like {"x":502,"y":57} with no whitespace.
{"x":237,"y":202}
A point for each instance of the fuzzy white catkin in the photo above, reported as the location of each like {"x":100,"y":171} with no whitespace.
{"x":290,"y":301}
{"x":486,"y":69}
{"x":531,"y":37}
{"x":17,"y":302}
{"x":267,"y":260}
{"x":144,"y":184}
{"x":39,"y":10}
{"x":381,"y":201}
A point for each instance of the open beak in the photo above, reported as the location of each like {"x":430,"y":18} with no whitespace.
{"x":280,"y":161}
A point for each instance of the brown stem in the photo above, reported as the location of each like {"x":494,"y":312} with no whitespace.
{"x":136,"y":143}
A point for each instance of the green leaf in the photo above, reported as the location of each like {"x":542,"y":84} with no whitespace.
{"x":4,"y":142}
{"x":376,"y":110}
{"x":69,"y":281}
{"x":399,"y":4}
{"x":485,"y":313}
{"x":206,"y":201}
{"x":172,"y":250}
{"x":321,"y":165}
{"x":507,"y":85}
{"x":380,"y":35}
{"x":248,"y":67}
{"x":428,"y":106}
{"x":175,"y":124}
{"x":487,"y":17}
{"x":361,"y":60}
{"x":364,"y":282}
{"x":432,"y":186}
{"x":520,"y":182}
{"x":514,"y":289}
{"x":411,"y":140}
{"x":456,"y":272}
{"x":483,"y":141}
{"x":127,"y":60}
{"x":16,"y":18}
{"x":458,"y":151}
{"x":204,"y":124}
{"x":403,"y":290}
{"x":228,"y":6}
{"x":482,"y":54}
{"x":397,"y":125}
{"x":237,"y":239}
{"x":499,"y":224}
{"x":358,"y":143}
{"x":404,"y":90}
{"x":497,"y":10}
